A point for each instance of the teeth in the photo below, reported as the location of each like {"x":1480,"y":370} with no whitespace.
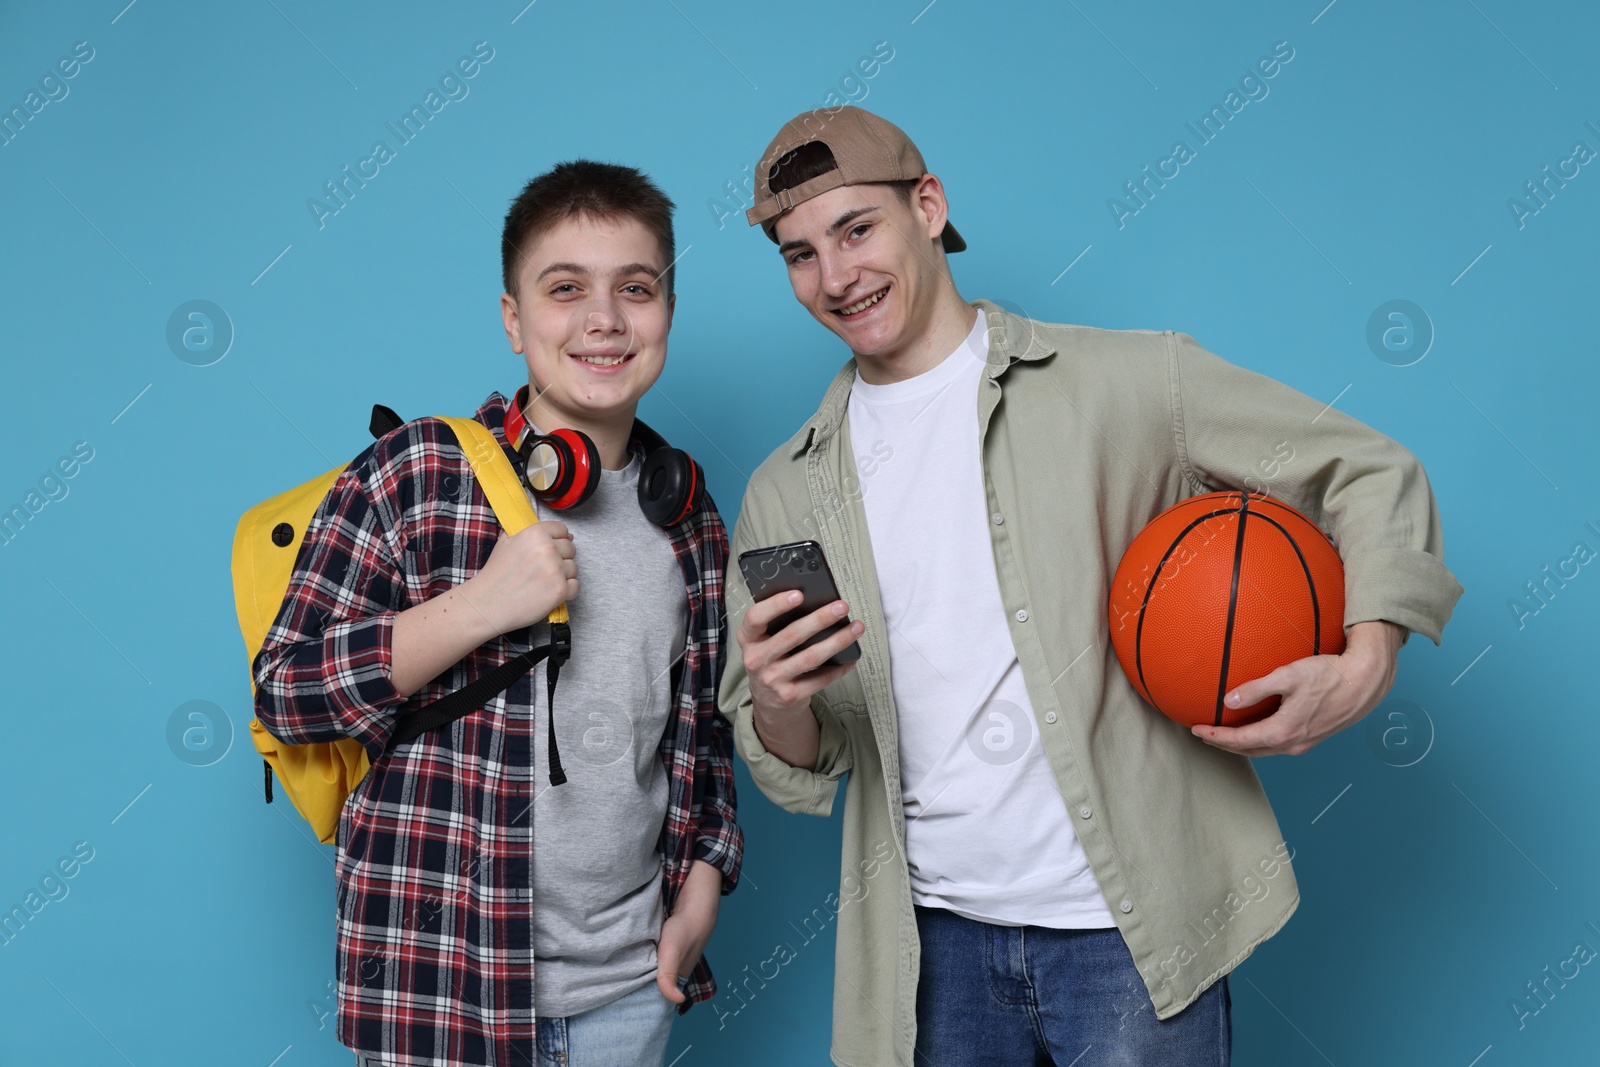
{"x":868,"y":302}
{"x":602,"y":361}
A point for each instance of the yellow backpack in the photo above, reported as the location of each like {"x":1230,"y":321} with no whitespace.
{"x":318,"y":777}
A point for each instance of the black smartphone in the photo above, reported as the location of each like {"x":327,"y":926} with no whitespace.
{"x":785,"y":568}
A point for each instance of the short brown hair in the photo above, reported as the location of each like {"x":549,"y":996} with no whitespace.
{"x":582,"y":187}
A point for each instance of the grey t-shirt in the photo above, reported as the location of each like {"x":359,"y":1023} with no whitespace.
{"x":596,"y":861}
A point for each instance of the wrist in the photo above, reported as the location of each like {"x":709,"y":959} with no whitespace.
{"x":777,"y":716}
{"x":1373,"y":632}
{"x":1375,"y":635}
{"x":769,"y":724}
{"x":474,"y":610}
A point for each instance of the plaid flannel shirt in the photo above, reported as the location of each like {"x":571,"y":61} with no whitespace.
{"x":435,"y":953}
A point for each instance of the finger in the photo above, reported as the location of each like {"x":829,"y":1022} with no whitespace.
{"x":804,"y":628}
{"x":554,"y":528}
{"x":1250,"y":753}
{"x":760,"y":614}
{"x":1255,"y":691}
{"x":1264,"y":734}
{"x":565,"y":547}
{"x":815,"y":681}
{"x":569,"y":569}
{"x":818,"y":654}
{"x":1216,"y":738}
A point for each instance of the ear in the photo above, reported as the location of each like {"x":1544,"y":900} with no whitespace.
{"x":509,"y":317}
{"x":672,"y":303}
{"x":928,"y":201}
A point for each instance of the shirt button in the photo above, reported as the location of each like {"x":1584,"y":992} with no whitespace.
{"x":1126,"y":906}
{"x":1022,"y":614}
{"x":1049,"y":716}
{"x":1085,"y":811}
{"x":999,"y":519}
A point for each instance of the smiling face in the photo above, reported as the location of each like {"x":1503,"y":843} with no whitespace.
{"x":590,"y":317}
{"x":869,"y":267}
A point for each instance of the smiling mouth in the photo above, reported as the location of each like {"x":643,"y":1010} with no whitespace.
{"x":860,"y":306}
{"x":601,"y":361}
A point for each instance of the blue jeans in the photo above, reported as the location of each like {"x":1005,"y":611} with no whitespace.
{"x":630,"y":1031}
{"x":1029,"y":996}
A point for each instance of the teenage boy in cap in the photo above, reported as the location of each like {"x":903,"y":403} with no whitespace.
{"x":464,"y":937}
{"x":1037,"y":868}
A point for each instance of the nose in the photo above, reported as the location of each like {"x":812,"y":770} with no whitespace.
{"x":602,"y":322}
{"x":837,"y":274}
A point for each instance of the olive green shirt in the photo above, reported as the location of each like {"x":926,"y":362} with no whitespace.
{"x":1086,"y":435}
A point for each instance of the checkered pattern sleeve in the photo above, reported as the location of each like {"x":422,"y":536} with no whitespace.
{"x":323,"y":671}
{"x":718,"y":839}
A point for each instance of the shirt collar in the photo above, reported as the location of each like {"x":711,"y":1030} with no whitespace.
{"x":1011,"y":337}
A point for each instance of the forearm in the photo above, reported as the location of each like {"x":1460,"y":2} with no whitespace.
{"x":1378,"y":643}
{"x":1380,"y":632}
{"x":434,"y":635}
{"x":704,"y":882}
{"x":792,"y":736}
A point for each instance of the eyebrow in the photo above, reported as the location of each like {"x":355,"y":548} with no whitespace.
{"x":620,"y":272}
{"x":842,"y":220}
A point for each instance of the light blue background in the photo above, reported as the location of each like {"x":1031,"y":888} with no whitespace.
{"x":1379,"y":168}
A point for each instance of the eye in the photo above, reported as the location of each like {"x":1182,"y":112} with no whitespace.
{"x":558,"y":290}
{"x":799,"y":257}
{"x":860,"y":229}
{"x":637,"y":289}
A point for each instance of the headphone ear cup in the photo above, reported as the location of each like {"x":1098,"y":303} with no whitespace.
{"x":562,"y":468}
{"x":579,"y":473}
{"x":669,"y":486}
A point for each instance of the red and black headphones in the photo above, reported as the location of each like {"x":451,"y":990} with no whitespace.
{"x":562,"y":468}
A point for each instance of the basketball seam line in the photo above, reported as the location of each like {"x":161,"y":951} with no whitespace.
{"x":1233,"y":602}
{"x":1311,"y":584}
{"x":1138,"y":635}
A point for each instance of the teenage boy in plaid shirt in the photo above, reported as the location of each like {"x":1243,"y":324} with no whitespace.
{"x":463,"y":936}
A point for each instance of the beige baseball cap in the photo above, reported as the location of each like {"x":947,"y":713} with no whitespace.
{"x":865,"y":147}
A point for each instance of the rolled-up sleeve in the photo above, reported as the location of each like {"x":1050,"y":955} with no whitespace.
{"x":324,"y":669}
{"x":1239,"y":429}
{"x":719,"y":840}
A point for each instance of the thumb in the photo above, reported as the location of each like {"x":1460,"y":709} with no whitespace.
{"x":668,"y":956}
{"x":1253,"y":692}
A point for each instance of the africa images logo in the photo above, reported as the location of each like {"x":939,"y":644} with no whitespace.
{"x":1252,"y":87}
{"x":452,"y":84}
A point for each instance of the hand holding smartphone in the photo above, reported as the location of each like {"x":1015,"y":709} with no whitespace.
{"x":801,"y":566}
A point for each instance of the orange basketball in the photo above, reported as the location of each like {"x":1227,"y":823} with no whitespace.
{"x":1218,"y":590}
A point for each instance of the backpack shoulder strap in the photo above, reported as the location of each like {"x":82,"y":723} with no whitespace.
{"x":494,"y":472}
{"x":504,"y":489}
{"x":499,"y":481}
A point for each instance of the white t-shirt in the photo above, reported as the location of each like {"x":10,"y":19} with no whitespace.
{"x":988,"y":835}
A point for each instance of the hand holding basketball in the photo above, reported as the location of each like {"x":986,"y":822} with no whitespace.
{"x":1321,"y":695}
{"x":1226,"y":614}
{"x":1221,"y":589}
